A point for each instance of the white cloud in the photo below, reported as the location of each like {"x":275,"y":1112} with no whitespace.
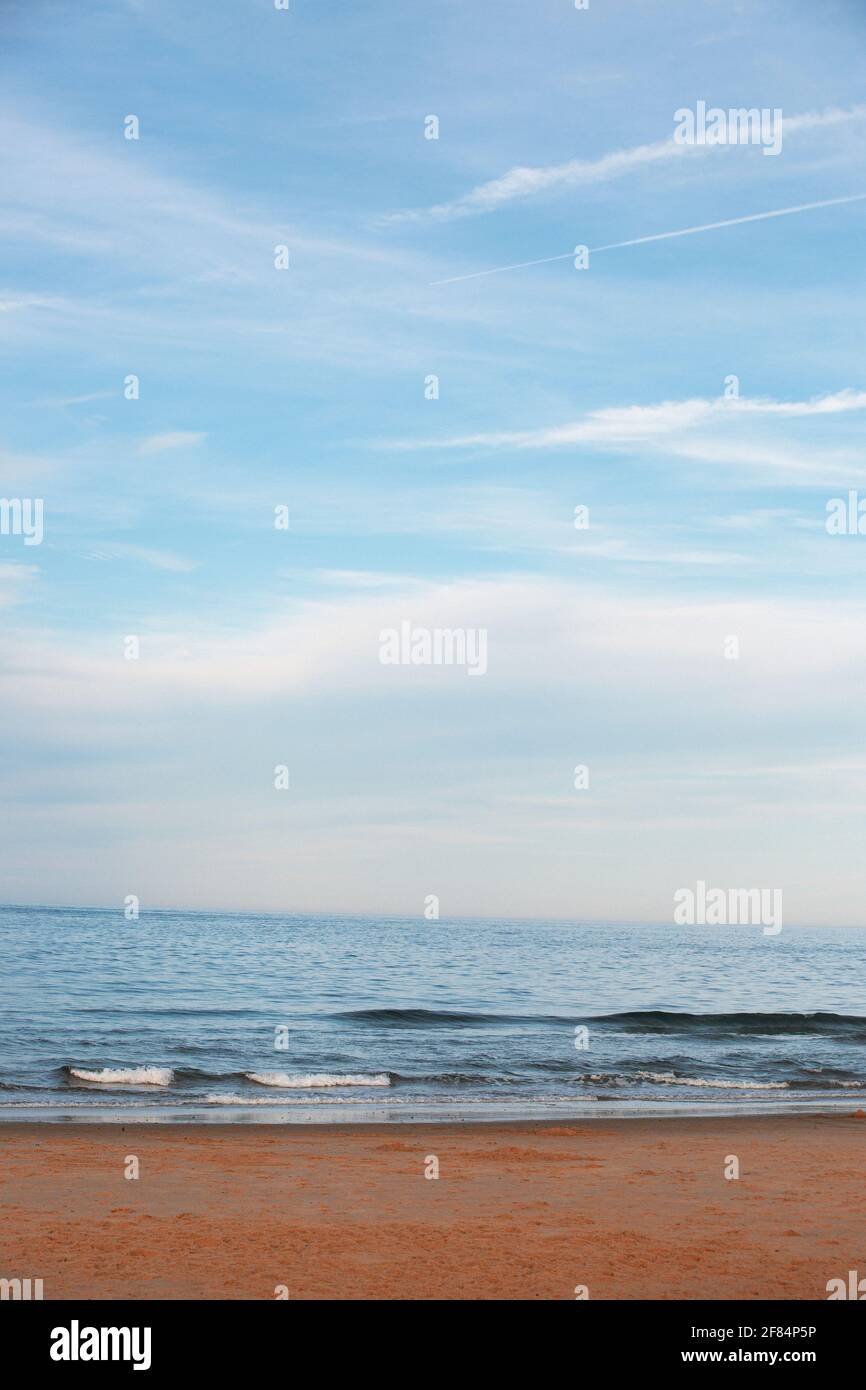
{"x":20,"y":471}
{"x":173,"y":439}
{"x":542,"y":632}
{"x":180,"y":799}
{"x":156,"y":559}
{"x":104,"y":197}
{"x":699,"y":428}
{"x":625,"y":424}
{"x":526,"y":181}
{"x":14,"y":579}
{"x":63,"y":402}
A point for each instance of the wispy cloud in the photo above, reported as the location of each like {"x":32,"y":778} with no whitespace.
{"x":725,"y":431}
{"x":62,"y":402}
{"x":106,"y":197}
{"x":14,"y":580}
{"x":156,"y":559}
{"x":562,"y":633}
{"x":528,"y":181}
{"x":20,"y":471}
{"x":173,"y":439}
{"x":634,"y":423}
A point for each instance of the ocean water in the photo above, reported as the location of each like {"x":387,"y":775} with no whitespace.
{"x":227,"y":1016}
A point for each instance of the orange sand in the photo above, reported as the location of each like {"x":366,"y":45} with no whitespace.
{"x":630,"y":1208}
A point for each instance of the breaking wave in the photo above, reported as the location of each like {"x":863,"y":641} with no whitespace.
{"x":124,"y":1076}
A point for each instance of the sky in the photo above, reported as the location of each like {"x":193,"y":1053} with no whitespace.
{"x":702,"y":396}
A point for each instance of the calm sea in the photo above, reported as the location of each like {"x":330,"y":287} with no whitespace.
{"x":226,"y":1016}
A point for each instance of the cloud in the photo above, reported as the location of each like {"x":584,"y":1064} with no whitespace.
{"x":676,"y":426}
{"x":14,"y":579}
{"x":622,"y":424}
{"x":159,"y":772}
{"x":543,"y":632}
{"x":170,"y":261}
{"x":360,"y":579}
{"x":78,"y":194}
{"x":156,"y":559}
{"x":13,"y":303}
{"x":174,"y":439}
{"x":527,"y":181}
{"x":62,"y":402}
{"x":67,"y":191}
{"x":19,"y":471}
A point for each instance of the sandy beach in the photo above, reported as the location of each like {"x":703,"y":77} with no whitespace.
{"x":632,"y":1209}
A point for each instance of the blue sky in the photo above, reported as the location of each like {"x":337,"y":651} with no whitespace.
{"x":558,"y":388}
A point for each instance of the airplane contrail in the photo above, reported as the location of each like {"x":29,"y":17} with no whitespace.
{"x":658,"y":236}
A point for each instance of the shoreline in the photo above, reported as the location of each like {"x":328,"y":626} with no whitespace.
{"x":225,"y":1127}
{"x":519,"y":1210}
{"x":281,"y":1112}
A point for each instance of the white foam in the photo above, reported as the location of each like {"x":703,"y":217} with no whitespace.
{"x":126,"y":1076}
{"x":667,"y":1078}
{"x":314,"y":1081}
{"x":241,"y":1101}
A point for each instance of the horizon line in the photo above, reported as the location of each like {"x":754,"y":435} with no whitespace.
{"x":408,"y":917}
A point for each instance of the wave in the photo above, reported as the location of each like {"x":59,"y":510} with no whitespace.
{"x":653,"y":1068}
{"x":668,"y":1078}
{"x":124,"y":1076}
{"x":828,"y":1084}
{"x":803,"y":1079}
{"x":454,"y":1078}
{"x":315,"y":1081}
{"x":430,"y":1018}
{"x":188,"y":1011}
{"x":850,"y":1026}
{"x":661,"y":1021}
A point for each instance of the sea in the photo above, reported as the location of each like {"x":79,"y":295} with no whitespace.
{"x":199,"y":1016}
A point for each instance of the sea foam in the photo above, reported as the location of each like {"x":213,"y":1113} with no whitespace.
{"x":314,"y":1081}
{"x":125,"y":1076}
{"x":668,"y":1078}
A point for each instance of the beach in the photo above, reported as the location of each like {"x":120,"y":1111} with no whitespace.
{"x":627,"y":1209}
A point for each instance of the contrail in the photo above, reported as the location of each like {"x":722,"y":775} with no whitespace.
{"x":658,"y":236}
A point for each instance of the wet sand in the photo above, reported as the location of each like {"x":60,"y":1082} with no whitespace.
{"x":634,"y":1209}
